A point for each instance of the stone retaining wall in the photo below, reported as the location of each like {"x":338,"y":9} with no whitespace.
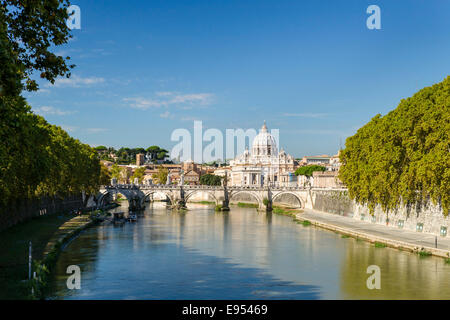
{"x":25,"y":209}
{"x":428,"y":218}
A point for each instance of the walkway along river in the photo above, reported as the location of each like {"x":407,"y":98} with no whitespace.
{"x":243,"y":254}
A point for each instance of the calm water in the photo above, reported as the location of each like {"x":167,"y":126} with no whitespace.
{"x":240,"y":255}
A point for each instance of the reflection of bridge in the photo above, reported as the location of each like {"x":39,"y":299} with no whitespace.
{"x":179,"y":195}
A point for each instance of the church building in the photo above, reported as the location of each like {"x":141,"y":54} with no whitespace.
{"x":263,"y":165}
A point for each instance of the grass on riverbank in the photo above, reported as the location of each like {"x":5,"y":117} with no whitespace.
{"x":247,"y":205}
{"x":14,"y":253}
{"x":379,"y":245}
{"x":423,"y":253}
{"x":291,"y":212}
{"x":203,"y":202}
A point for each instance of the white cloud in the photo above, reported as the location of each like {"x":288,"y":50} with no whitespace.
{"x":141,"y":103}
{"x":45,"y":91}
{"x":165,"y":99}
{"x":77,"y":81}
{"x":165,"y":93}
{"x":306,"y":115}
{"x":48,"y":110}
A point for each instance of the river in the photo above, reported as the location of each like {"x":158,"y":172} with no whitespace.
{"x":243,"y":254}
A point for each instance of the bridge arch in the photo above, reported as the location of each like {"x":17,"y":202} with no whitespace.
{"x":300,"y":201}
{"x":187,"y":196}
{"x":105,"y":193}
{"x":168,"y":195}
{"x":251,"y":193}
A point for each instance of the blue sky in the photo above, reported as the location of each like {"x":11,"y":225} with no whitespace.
{"x":311,"y":69}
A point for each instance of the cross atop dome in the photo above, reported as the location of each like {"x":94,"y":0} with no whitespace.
{"x":264,"y":127}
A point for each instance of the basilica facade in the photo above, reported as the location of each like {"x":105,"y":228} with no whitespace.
{"x":263,"y":165}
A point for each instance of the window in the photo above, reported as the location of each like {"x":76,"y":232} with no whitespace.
{"x":363,"y":216}
{"x":419,"y":227}
{"x":401,"y":223}
{"x":443,"y":231}
{"x":374,"y":219}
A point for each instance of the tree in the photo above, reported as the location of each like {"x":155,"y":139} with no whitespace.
{"x":36,"y":158}
{"x":210,"y":180}
{"x":308,"y":170}
{"x":33,"y":28}
{"x":402,"y":158}
{"x":105,"y":175}
{"x":161,"y":175}
{"x":115,"y":171}
{"x":139,"y":174}
{"x":157,"y":153}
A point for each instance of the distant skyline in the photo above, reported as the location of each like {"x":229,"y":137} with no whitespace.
{"x":311,"y":69}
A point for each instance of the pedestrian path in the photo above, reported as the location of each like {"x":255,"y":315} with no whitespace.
{"x":66,"y":230}
{"x":394,"y":237}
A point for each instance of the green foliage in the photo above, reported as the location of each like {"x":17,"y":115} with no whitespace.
{"x":33,"y":29}
{"x":115,"y":171}
{"x":161,"y":175}
{"x":247,"y":205}
{"x":139,"y":174}
{"x":308,"y":170}
{"x":265,"y":201}
{"x":424,"y":253}
{"x":157,"y":153}
{"x":105,"y":176}
{"x":38,"y":159}
{"x":306,"y":223}
{"x":210,"y":180}
{"x":402,"y":158}
{"x":380,"y":245}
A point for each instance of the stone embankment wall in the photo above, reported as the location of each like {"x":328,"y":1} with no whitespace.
{"x":23,"y":210}
{"x":428,"y":218}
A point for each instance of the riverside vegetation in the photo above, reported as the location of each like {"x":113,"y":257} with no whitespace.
{"x":402,"y":158}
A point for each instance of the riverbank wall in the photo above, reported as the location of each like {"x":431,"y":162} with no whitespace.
{"x":43,"y":268}
{"x":427,"y":218}
{"x":25,"y":209}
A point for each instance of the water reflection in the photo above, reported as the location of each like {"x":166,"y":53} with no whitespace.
{"x":239,"y":255}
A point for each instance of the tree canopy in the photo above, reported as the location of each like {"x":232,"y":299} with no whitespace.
{"x":210,"y":180}
{"x":139,"y":174}
{"x":33,"y":28}
{"x":308,"y":170}
{"x":402,"y":158}
{"x":161,"y":175}
{"x":36,"y":158}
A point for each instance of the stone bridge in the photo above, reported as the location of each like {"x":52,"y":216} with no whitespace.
{"x":178,"y":196}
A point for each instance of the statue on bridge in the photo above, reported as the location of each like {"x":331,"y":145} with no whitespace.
{"x":181,"y":177}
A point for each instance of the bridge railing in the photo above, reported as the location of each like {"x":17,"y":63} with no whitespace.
{"x":205,"y":187}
